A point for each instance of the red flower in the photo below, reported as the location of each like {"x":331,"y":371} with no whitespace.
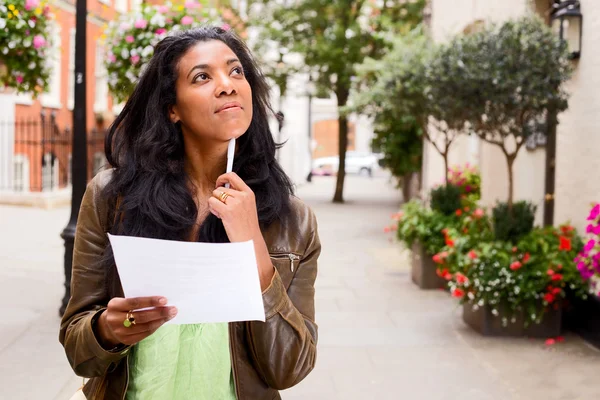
{"x":557,"y":277}
{"x":479,"y":213}
{"x":550,"y":272}
{"x":449,"y":242}
{"x":387,"y":229}
{"x":465,"y":230}
{"x":472,"y":255}
{"x":514,"y":249}
{"x":458,"y":213}
{"x":550,"y":342}
{"x":565,"y":243}
{"x":467,"y":209}
{"x":442,"y":273}
{"x":460,"y":278}
{"x":445,"y":231}
{"x":560,"y":339}
{"x":458,"y":293}
{"x":526,"y":257}
{"x":437,"y":259}
{"x":516,"y":265}
{"x":566,"y":229}
{"x":556,"y":291}
{"x":549,"y":297}
{"x":559,"y":266}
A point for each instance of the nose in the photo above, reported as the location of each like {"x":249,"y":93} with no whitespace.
{"x":225,"y":86}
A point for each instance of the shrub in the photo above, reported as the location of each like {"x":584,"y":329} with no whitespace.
{"x":510,"y":227}
{"x":446,"y":199}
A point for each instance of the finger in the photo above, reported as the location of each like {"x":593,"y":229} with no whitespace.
{"x":217,"y":207}
{"x":159,"y":313}
{"x":234,"y":180}
{"x":135,"y":336}
{"x":136,"y":303}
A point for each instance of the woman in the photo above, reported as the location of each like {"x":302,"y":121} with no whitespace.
{"x":167,"y":150}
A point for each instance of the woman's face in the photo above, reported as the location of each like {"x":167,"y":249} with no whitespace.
{"x":214,"y":99}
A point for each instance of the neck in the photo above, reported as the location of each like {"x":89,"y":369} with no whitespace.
{"x":205,"y":161}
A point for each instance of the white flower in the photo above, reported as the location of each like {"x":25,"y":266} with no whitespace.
{"x":513,"y":320}
{"x":481,"y":303}
{"x":31,"y":23}
{"x":133,"y":52}
{"x":495,"y":312}
{"x":148,"y":50}
{"x":31,"y":65}
{"x":496,"y":294}
{"x":533,"y":316}
{"x":5,"y":50}
{"x":3,"y":8}
{"x":125,"y":54}
{"x":470,"y":295}
{"x":517,"y":289}
{"x":12,"y":45}
{"x":27,"y":42}
{"x":2,"y":22}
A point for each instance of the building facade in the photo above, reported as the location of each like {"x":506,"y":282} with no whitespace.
{"x":577,"y":137}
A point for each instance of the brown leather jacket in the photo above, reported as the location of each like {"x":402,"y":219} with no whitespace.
{"x":265,"y":356}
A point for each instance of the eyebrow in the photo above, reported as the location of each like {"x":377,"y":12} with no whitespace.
{"x":206,"y":66}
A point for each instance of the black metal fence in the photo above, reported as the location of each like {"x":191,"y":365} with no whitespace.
{"x":35,"y":155}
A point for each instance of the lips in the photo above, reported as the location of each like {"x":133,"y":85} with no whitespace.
{"x":227,"y":106}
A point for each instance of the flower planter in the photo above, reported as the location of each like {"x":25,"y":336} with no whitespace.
{"x":483,"y":321}
{"x":424,"y":270}
{"x":583,"y":317}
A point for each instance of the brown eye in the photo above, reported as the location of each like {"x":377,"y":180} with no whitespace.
{"x":238,"y":71}
{"x":201,"y":77}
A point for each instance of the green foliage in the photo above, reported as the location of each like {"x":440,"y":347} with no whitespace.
{"x":423,"y":225}
{"x":446,"y":199}
{"x":531,"y":276}
{"x":511,"y":226}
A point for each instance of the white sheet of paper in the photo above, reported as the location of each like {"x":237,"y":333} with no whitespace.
{"x":207,"y":282}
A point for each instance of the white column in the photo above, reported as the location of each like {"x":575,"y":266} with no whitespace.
{"x":7,"y":140}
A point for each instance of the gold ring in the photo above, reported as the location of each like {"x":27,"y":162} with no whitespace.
{"x":129,"y":320}
{"x":223,"y":197}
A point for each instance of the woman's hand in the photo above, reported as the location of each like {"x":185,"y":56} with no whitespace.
{"x":240,"y":219}
{"x":112,"y":331}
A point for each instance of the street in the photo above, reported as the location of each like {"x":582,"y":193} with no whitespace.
{"x":379,"y":336}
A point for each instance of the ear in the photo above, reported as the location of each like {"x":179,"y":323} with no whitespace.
{"x":173,"y":115}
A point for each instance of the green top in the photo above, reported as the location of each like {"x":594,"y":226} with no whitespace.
{"x":182,"y":362}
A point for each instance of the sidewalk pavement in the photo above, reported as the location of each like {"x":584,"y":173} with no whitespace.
{"x":379,"y":336}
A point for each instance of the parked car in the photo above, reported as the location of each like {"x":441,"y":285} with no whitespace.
{"x":361,"y":163}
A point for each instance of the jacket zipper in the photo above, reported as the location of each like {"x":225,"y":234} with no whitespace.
{"x":232,"y":356}
{"x":291,"y":256}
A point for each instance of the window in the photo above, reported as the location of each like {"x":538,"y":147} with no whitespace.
{"x":52,"y":98}
{"x":49,"y":172}
{"x":71,"y":97}
{"x":121,"y":6}
{"x":20,"y":173}
{"x":99,"y":163}
{"x":101,"y":89}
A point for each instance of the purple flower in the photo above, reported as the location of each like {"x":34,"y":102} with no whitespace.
{"x":594,"y":213}
{"x":468,"y":188}
{"x":590,"y":245}
{"x":589,"y":229}
{"x":584,"y":271}
{"x":596,"y":230}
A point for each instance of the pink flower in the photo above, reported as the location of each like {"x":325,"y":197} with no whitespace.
{"x":191,"y":4}
{"x":596,"y":230}
{"x":135,"y":59}
{"x":468,"y":188}
{"x":187,"y":20}
{"x":124,"y":26}
{"x":112,"y":58}
{"x":160,"y":31}
{"x":550,"y":342}
{"x":589,"y":229}
{"x":590,"y":245}
{"x":594,"y":213}
{"x":163,"y":9}
{"x":38,"y":41}
{"x":129,"y":39}
{"x":226,"y":27}
{"x":141,"y":24}
{"x":472,"y":254}
{"x":19,"y":79}
{"x":31,"y":4}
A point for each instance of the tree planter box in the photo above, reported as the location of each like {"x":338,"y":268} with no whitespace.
{"x":423,"y":270}
{"x":483,"y":321}
{"x":583,"y":317}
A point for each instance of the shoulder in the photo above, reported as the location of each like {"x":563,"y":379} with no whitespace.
{"x":102,"y":178}
{"x":94,"y":204}
{"x":295,"y":232}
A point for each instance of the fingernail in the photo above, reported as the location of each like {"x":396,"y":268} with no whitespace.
{"x":173,"y":312}
{"x":162,"y":301}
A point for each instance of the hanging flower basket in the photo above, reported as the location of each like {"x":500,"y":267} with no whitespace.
{"x":130,"y":40}
{"x":24,"y":44}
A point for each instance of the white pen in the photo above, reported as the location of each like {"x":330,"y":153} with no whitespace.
{"x":230,"y":154}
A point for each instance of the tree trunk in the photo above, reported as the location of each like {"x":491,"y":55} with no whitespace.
{"x":338,"y":197}
{"x":446,"y":166}
{"x":510,"y":161}
{"x":407,"y":183}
